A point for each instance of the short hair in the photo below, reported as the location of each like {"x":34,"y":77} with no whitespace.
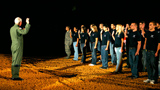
{"x":135,"y":24}
{"x":142,"y":22}
{"x":68,"y":27}
{"x":84,"y":28}
{"x":154,"y":23}
{"x":17,"y":20}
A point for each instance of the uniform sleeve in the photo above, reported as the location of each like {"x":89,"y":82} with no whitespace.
{"x":138,"y":36}
{"x":25,"y":31}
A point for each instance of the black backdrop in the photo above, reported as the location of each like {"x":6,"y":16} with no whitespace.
{"x":48,"y":20}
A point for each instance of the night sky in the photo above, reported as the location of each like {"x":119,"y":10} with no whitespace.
{"x":48,"y":20}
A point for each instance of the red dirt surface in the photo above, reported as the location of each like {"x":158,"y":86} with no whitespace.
{"x":50,"y":73}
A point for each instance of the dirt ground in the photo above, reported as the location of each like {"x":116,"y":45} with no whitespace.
{"x":57,"y":73}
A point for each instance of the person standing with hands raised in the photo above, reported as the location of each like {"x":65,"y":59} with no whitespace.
{"x":16,"y":34}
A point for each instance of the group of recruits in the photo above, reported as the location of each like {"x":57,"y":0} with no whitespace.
{"x":142,"y":46}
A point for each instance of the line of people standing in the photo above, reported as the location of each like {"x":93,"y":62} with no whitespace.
{"x":139,"y":44}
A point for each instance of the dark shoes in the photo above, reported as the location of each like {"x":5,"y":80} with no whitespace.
{"x":67,"y":57}
{"x":20,"y":79}
{"x":103,"y":67}
{"x":115,"y":72}
{"x":132,"y":77}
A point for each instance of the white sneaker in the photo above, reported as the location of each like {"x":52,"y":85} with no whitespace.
{"x":146,"y":81}
{"x":152,"y":81}
{"x":91,"y":64}
{"x":99,"y":60}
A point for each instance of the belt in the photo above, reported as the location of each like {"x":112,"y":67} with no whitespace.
{"x":132,"y":47}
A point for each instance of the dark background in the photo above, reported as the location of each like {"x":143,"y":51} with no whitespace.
{"x":48,"y":20}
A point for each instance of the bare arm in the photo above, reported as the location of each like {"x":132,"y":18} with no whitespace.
{"x":70,"y":34}
{"x":138,"y":48}
{"x":113,"y":36}
{"x":144,"y":46}
{"x":121,"y":44}
{"x":77,"y":42}
{"x":85,"y":42}
{"x":96,"y":42}
{"x":158,"y":47}
{"x":107,"y":45}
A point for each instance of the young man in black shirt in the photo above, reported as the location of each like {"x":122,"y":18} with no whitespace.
{"x":142,"y":54}
{"x":134,"y":47}
{"x":105,"y":37}
{"x":99,"y":40}
{"x":111,"y":45}
{"x":75,"y":38}
{"x":152,"y":44}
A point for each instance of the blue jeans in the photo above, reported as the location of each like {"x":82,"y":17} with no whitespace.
{"x":113,"y":56}
{"x":94,"y":54}
{"x":152,"y":65}
{"x":104,"y":56}
{"x":84,"y":50}
{"x":99,"y":46}
{"x":144,"y":58}
{"x":133,"y":61}
{"x":119,"y":59}
{"x":75,"y":51}
{"x":90,"y":45}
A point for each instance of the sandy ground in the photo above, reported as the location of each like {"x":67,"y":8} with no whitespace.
{"x":57,"y":73}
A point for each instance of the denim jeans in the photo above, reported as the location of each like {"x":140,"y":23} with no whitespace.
{"x":144,"y":59}
{"x":84,"y":50}
{"x":90,"y":45}
{"x":104,"y":56}
{"x":94,"y":54}
{"x":99,"y":46}
{"x":113,"y":56}
{"x":75,"y":51}
{"x":119,"y":59}
{"x":152,"y":65}
{"x":133,"y":61}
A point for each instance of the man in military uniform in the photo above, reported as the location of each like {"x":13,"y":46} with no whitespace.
{"x":68,"y":42}
{"x":16,"y":34}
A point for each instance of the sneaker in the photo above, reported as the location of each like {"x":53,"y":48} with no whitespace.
{"x":20,"y":79}
{"x":147,"y":81}
{"x":152,"y":81}
{"x":99,"y":60}
{"x":103,"y":67}
{"x":91,"y":64}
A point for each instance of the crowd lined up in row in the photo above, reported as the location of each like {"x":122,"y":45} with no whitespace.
{"x":141,"y":45}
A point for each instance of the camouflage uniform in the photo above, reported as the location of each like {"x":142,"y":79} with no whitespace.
{"x":68,"y":43}
{"x":17,"y":47}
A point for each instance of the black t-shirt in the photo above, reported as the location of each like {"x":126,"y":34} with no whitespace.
{"x":118,"y":38}
{"x":111,"y":31}
{"x":93,"y":36}
{"x":105,"y":38}
{"x":142,"y":39}
{"x":152,"y":40}
{"x":84,"y":36}
{"x":75,"y":36}
{"x":134,"y":37}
